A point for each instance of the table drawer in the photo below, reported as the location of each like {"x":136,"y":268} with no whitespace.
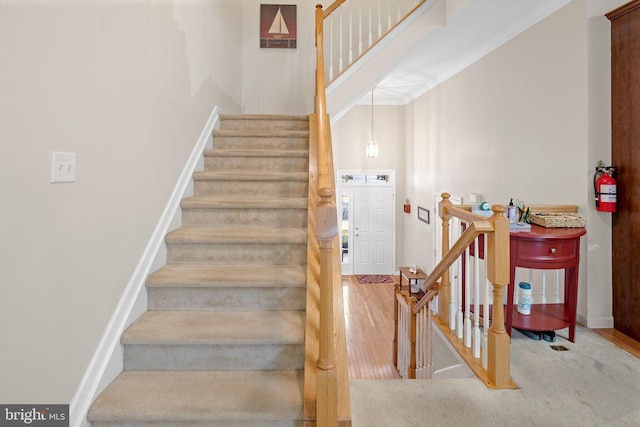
{"x":547,"y":251}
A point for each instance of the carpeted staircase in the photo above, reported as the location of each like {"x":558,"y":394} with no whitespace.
{"x":223,"y":341}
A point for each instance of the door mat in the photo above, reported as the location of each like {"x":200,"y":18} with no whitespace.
{"x":374,"y":278}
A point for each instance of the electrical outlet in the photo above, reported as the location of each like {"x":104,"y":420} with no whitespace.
{"x":63,"y":167}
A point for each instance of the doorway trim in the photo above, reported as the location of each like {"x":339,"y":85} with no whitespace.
{"x":346,"y":186}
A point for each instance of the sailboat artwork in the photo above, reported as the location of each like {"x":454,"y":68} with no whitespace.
{"x":278,"y":25}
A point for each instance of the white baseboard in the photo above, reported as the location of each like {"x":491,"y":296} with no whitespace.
{"x":593,"y":322}
{"x":107,"y":361}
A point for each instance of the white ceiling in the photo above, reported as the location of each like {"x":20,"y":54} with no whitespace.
{"x":479,"y":28}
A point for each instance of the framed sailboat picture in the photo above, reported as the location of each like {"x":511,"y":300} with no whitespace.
{"x":278,"y":25}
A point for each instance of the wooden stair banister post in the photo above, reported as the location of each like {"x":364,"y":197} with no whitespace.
{"x":498,"y":356}
{"x":327,"y":385}
{"x":445,"y":285}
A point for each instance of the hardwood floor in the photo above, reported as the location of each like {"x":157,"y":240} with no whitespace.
{"x":621,"y":340}
{"x":369,"y":329}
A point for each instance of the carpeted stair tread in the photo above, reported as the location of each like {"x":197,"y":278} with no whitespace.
{"x":222,"y":152}
{"x":259,"y":133}
{"x":228,"y":276}
{"x":253,"y":235}
{"x":222,"y":340}
{"x":250,"y":176}
{"x":182,"y":396}
{"x":222,"y":202}
{"x":265,"y":117}
{"x":216,"y":327}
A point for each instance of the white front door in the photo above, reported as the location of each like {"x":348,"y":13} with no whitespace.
{"x":373,"y":230}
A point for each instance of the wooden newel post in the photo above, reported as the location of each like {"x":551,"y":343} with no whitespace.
{"x":326,"y":231}
{"x":327,"y":380}
{"x":498,"y":356}
{"x":445,"y":285}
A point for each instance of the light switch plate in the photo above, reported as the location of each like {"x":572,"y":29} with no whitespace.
{"x":475,"y":198}
{"x":63,"y":167}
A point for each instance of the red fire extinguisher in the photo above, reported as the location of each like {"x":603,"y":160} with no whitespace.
{"x":605,"y":188}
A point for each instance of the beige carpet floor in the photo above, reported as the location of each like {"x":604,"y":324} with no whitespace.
{"x":593,"y":383}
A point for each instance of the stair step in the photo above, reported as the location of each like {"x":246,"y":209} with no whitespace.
{"x":252,"y":235}
{"x":251,"y":183}
{"x":256,"y":153}
{"x":240,"y":202}
{"x":234,"y":211}
{"x":237,"y":246}
{"x":264,"y":122}
{"x":221,"y":340}
{"x":205,"y":398}
{"x":228,"y":276}
{"x":250,"y":176}
{"x":264,"y":160}
{"x":227,"y":287}
{"x":258,"y":139}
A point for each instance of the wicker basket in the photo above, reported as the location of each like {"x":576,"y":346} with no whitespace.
{"x":557,"y":220}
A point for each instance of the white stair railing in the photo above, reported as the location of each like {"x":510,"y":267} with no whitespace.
{"x":465,"y":302}
{"x":414,"y":335}
{"x":355,"y":26}
{"x":476,"y":297}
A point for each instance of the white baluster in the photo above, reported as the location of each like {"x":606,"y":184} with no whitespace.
{"x":432,"y":303}
{"x":399,"y":335}
{"x":418,"y":345}
{"x":543,"y":285}
{"x":388,"y":15}
{"x":370,"y":26}
{"x":423,"y":346}
{"x":488,"y":291}
{"x":400,"y":342}
{"x":360,"y":30}
{"x":379,"y":20}
{"x":556,"y":293}
{"x":467,"y":298}
{"x":460,"y":315}
{"x":476,"y":301}
{"x":330,"y":48}
{"x":350,"y":32}
{"x":340,"y":54}
{"x":453,"y":288}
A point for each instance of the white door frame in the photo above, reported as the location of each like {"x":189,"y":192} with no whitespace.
{"x":360,"y":178}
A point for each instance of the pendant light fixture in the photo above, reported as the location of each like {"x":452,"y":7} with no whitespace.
{"x":372,"y":145}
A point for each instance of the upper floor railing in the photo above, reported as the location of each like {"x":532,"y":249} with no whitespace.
{"x":353,"y":27}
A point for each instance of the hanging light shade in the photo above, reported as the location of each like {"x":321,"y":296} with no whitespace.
{"x":372,"y":145}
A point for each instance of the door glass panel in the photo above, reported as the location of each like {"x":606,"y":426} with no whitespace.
{"x":344,"y":227}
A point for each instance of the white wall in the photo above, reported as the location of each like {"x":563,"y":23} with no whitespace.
{"x":530,"y":120}
{"x":277,"y":80}
{"x":128,"y":86}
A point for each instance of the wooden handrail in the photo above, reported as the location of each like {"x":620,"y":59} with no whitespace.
{"x":470,"y":234}
{"x":327,"y":381}
{"x":329,"y":10}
